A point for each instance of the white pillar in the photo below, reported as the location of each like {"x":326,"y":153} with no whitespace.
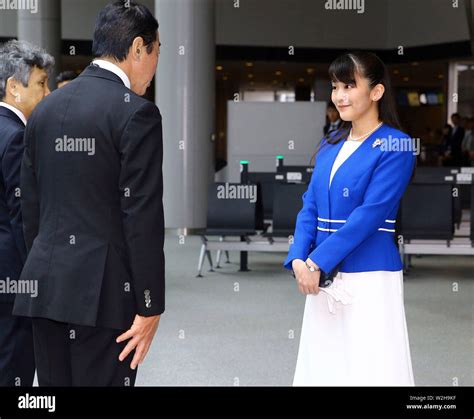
{"x":185,"y":94}
{"x":43,"y":29}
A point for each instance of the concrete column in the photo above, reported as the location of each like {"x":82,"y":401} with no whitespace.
{"x":43,"y":28}
{"x":185,"y":94}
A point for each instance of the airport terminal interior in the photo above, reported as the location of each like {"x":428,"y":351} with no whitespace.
{"x":243,"y":89}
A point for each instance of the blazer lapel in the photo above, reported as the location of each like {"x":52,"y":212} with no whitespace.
{"x":11,"y":115}
{"x":324,"y":163}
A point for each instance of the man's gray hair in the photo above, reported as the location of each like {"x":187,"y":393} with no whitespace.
{"x":17,"y":59}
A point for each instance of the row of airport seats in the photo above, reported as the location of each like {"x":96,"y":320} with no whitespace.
{"x":435,"y":206}
{"x":241,"y":217}
{"x":433,"y":203}
{"x":430,"y":210}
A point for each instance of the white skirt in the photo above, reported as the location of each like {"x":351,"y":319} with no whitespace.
{"x":354,"y":333}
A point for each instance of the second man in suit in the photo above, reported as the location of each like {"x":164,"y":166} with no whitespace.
{"x":24,"y":72}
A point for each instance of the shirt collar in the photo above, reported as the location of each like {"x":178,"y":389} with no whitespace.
{"x":16,"y":111}
{"x":107,"y":65}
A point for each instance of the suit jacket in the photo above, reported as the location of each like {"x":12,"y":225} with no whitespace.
{"x":352,"y":223}
{"x":92,"y":189}
{"x":456,"y":139}
{"x":12,"y":245}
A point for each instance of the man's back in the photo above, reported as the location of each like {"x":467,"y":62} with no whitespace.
{"x":91,"y":199}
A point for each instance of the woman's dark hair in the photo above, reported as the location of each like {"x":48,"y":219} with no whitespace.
{"x":367,"y":65}
{"x":118,"y":24}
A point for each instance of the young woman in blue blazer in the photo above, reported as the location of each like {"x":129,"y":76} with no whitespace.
{"x":354,"y":331}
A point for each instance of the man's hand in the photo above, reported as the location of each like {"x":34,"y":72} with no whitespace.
{"x":141,"y":335}
{"x":308,"y":282}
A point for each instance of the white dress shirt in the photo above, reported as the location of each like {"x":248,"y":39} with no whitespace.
{"x":16,"y":111}
{"x":107,"y":65}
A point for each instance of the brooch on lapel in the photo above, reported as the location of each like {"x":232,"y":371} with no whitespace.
{"x":376,"y":143}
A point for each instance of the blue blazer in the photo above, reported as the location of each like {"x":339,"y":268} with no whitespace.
{"x":12,"y":245}
{"x":352,"y":223}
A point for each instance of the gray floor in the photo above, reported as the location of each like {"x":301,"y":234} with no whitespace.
{"x":230,"y":328}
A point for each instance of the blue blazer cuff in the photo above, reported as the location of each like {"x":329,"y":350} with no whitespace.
{"x":293,"y":254}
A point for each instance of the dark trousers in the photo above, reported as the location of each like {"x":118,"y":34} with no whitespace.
{"x":17,"y":361}
{"x":71,"y":355}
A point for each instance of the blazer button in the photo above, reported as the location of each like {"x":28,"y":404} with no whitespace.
{"x":147,"y":298}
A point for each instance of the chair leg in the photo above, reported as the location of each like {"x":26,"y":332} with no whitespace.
{"x":218,"y":259}
{"x":410,"y":265}
{"x":406,"y":264}
{"x":201,"y":260}
{"x":219,"y":253}
{"x":209,"y":257}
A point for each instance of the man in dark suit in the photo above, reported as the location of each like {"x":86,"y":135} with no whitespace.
{"x":455,"y":141}
{"x":23,"y":84}
{"x":93,"y":216}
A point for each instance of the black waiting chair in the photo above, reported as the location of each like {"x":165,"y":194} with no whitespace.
{"x":231,"y":212}
{"x":439,"y":175}
{"x":466,"y":200}
{"x":229,"y":215}
{"x":287,"y":203}
{"x":266,"y":181}
{"x":427,"y":212}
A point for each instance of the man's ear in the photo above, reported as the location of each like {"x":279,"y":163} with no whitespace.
{"x":137,"y":48}
{"x":12,"y":88}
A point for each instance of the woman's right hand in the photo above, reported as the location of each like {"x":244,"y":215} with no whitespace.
{"x":308,"y":282}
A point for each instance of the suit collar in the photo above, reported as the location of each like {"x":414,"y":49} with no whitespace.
{"x":107,"y":65}
{"x":8,"y":113}
{"x":94,"y":70}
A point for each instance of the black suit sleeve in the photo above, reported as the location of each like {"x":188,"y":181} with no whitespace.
{"x":29,"y":192}
{"x":141,"y":185}
{"x":11,"y":167}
